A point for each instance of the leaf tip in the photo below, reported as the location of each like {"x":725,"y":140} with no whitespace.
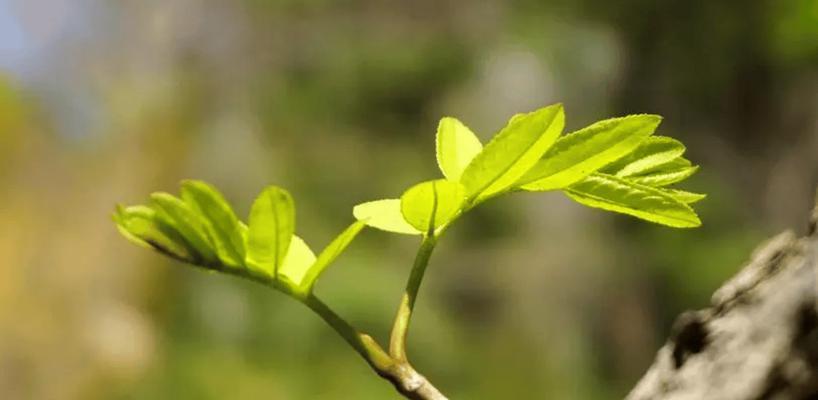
{"x":189,"y":182}
{"x":655,"y":118}
{"x":116,"y":215}
{"x":696,"y":222}
{"x":159,"y":197}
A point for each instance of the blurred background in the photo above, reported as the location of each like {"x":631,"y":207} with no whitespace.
{"x":532,"y":295}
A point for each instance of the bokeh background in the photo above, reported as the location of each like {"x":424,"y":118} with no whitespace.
{"x":531,"y":296}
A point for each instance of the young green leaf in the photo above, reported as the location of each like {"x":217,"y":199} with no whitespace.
{"x":456,"y":147}
{"x":666,"y":174}
{"x":140,"y":225}
{"x":330,"y":253}
{"x":652,"y":152}
{"x":671,"y":165}
{"x":430,"y":205}
{"x":512,"y":152}
{"x":133,"y":221}
{"x":272,"y":223}
{"x":222,"y":224}
{"x":384,"y":215}
{"x":611,"y":193}
{"x":585,"y":151}
{"x":178,"y":215}
{"x":244,"y":230}
{"x":298,"y":260}
{"x":684,"y":196}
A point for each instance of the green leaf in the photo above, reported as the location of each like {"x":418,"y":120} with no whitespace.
{"x":175,"y":213}
{"x":652,"y":152}
{"x":272,"y":224}
{"x":666,"y":178}
{"x":512,"y":152}
{"x":667,"y":174}
{"x":384,"y":215}
{"x":330,"y":253}
{"x":222,"y":224}
{"x":585,"y":151}
{"x":244,"y":230}
{"x":672,"y":165}
{"x":620,"y":195}
{"x":140,"y":225}
{"x":684,"y":196}
{"x":297,"y":262}
{"x":430,"y":205}
{"x":456,"y":147}
{"x":132,"y":221}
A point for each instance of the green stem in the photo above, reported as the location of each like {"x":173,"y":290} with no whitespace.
{"x":397,"y":371}
{"x":406,"y":380}
{"x":400,"y":328}
{"x":364,"y":344}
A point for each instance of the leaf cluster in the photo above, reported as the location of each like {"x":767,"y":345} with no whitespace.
{"x":616,"y":165}
{"x":201,"y":229}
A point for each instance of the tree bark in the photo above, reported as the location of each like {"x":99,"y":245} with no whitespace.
{"x":759,"y":338}
{"x":413,"y":385}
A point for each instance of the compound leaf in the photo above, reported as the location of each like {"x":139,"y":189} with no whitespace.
{"x":456,"y":147}
{"x":611,"y":193}
{"x":272,"y":224}
{"x":297,"y":262}
{"x":512,"y":152}
{"x":222,"y":224}
{"x":430,"y":205}
{"x":585,"y":151}
{"x":384,"y":215}
{"x":178,"y":215}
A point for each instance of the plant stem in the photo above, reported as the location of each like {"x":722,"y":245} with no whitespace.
{"x":406,"y":380}
{"x":400,"y":328}
{"x":364,"y":344}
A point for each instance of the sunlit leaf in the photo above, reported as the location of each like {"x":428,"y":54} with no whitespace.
{"x":652,"y":152}
{"x":611,"y":193}
{"x":430,"y":205}
{"x":384,"y":215}
{"x":272,"y":223}
{"x":684,"y":196}
{"x":222,"y":224}
{"x":139,"y":225}
{"x":297,"y":262}
{"x":330,"y":253}
{"x":672,"y":165}
{"x":133,"y":221}
{"x":665,"y":174}
{"x":512,"y":152}
{"x":178,"y":215}
{"x":456,"y":147}
{"x":585,"y":151}
{"x":244,"y":230}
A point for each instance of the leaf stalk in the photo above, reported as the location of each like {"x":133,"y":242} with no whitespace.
{"x":400,"y":327}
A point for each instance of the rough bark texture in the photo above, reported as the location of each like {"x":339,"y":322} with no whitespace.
{"x":759,"y":338}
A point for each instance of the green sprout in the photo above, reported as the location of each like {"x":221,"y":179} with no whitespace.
{"x":615,"y":164}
